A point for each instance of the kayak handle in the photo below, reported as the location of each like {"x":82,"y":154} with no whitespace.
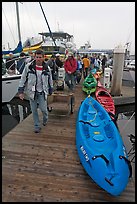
{"x":89,"y":123}
{"x":129,"y":164}
{"x":102,"y":156}
{"x":109,"y":181}
{"x":115,"y":117}
{"x":85,"y":122}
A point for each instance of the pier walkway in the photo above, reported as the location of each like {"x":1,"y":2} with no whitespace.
{"x":45,"y":167}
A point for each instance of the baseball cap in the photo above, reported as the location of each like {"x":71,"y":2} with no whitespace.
{"x":70,"y":54}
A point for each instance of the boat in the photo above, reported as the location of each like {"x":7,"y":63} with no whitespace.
{"x":32,"y":48}
{"x":89,"y":84}
{"x":9,"y":86}
{"x":32,"y":44}
{"x":60,"y":42}
{"x":18,"y":49}
{"x":103,"y":96}
{"x":10,"y":81}
{"x":100,"y":148}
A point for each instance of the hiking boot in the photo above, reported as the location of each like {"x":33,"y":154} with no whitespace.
{"x":37,"y":130}
{"x":45,"y":123}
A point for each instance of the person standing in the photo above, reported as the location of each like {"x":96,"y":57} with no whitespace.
{"x":104,"y":60}
{"x":59,"y":63}
{"x":30,"y":57}
{"x":37,"y":79}
{"x":53,"y":66}
{"x":79,"y":69}
{"x":21,"y":62}
{"x":86,"y":65}
{"x":70,"y":66}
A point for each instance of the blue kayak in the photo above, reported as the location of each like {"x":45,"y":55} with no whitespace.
{"x":100,"y":147}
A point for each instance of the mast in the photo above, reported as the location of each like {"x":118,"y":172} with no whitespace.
{"x":48,"y":25}
{"x":18,"y":20}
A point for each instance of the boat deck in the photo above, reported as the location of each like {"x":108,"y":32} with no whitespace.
{"x":45,"y":167}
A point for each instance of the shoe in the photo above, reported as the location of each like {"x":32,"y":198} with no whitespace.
{"x":37,"y":130}
{"x":45,"y":123}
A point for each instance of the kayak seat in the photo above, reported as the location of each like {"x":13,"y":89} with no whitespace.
{"x":98,"y":138}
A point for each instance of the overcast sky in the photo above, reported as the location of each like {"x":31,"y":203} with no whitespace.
{"x":104,"y":24}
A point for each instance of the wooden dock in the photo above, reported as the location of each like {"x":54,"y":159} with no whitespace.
{"x":45,"y":167}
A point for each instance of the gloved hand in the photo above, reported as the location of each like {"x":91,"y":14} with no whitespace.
{"x":50,"y":90}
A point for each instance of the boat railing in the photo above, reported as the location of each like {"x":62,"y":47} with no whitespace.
{"x":6,"y":71}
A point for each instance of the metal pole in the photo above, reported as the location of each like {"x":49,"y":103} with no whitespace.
{"x":18,"y":20}
{"x":118,"y":65}
{"x":47,"y":24}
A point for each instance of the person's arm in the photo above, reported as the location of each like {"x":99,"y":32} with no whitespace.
{"x":23,"y":81}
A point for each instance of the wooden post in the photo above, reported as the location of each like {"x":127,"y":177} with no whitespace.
{"x":118,"y":65}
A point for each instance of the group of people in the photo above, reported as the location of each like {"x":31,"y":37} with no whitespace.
{"x":39,"y":73}
{"x":13,"y":64}
{"x":37,"y":80}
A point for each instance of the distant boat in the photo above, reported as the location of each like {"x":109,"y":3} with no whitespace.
{"x":18,"y":49}
{"x":32,"y":44}
{"x":63,"y":42}
{"x":100,"y":148}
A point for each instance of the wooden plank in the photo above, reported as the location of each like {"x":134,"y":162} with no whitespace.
{"x":45,"y":167}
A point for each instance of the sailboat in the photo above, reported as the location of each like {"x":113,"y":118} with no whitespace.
{"x":18,"y":49}
{"x":10,"y":82}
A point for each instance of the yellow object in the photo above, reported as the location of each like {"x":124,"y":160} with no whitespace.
{"x":96,"y":133}
{"x":32,"y":48}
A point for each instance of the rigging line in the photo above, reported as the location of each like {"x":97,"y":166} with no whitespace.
{"x":130,"y":35}
{"x":127,"y":122}
{"x":29,"y":16}
{"x":8,"y":26}
{"x":48,"y":25}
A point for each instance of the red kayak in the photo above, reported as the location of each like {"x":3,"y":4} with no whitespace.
{"x":105,"y":99}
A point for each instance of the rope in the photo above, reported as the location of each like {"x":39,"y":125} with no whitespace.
{"x":90,"y":103}
{"x":127,"y":122}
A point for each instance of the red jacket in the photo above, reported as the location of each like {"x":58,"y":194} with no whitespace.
{"x":70,"y":65}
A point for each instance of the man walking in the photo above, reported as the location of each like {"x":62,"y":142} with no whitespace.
{"x":37,"y":80}
{"x":70,"y":66}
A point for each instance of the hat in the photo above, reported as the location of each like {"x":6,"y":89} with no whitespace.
{"x":52,"y":56}
{"x":57,"y":55}
{"x":70,"y":54}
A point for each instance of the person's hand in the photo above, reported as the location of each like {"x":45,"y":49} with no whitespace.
{"x":69,"y":72}
{"x":50,"y":90}
{"x":21,"y":96}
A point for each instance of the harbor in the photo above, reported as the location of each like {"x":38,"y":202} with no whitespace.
{"x":86,"y":150}
{"x":45,"y":167}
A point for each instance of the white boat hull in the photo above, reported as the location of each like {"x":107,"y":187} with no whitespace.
{"x":10,"y":84}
